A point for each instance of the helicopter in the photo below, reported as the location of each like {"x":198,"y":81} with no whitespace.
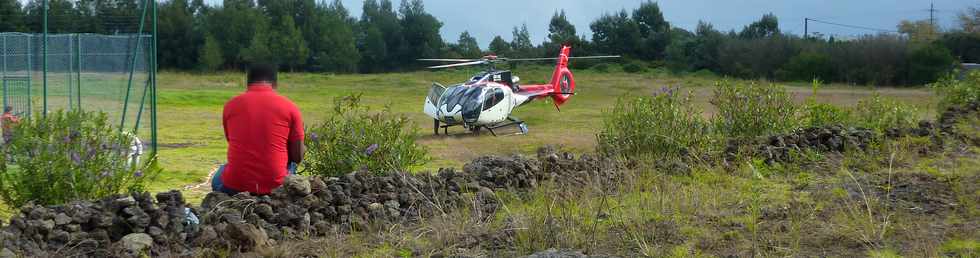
{"x":487,"y":99}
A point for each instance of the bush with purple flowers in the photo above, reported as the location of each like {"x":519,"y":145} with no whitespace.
{"x":65,"y":156}
{"x":356,"y":138}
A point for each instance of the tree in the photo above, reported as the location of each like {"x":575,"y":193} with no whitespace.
{"x":467,"y":46}
{"x":970,"y":20}
{"x":62,"y":16}
{"x":616,"y":34}
{"x":258,"y":50}
{"x":420,"y":32}
{"x":560,"y":30}
{"x":521,"y":45}
{"x":499,"y":46}
{"x":336,"y":49}
{"x":768,"y":26}
{"x":373,"y":50}
{"x":928,"y":62}
{"x":382,"y":17}
{"x":287,"y":44}
{"x":11,"y":16}
{"x":919,"y":31}
{"x":179,"y":41}
{"x":210,"y":57}
{"x":235,"y":24}
{"x":653,"y":30}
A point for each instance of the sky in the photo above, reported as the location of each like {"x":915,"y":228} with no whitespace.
{"x":485,"y":19}
{"x":488,"y":18}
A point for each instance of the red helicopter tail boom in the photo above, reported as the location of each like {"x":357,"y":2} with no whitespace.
{"x":562,"y":85}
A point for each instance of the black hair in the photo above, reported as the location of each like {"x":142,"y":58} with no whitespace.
{"x":8,"y":109}
{"x":262,"y":73}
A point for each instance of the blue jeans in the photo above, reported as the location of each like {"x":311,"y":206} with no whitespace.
{"x":218,"y":186}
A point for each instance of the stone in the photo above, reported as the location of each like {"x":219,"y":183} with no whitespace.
{"x":124,"y":202}
{"x":6,"y":253}
{"x":137,"y":242}
{"x":246,"y":236}
{"x":297,"y":185}
{"x":61,"y":219}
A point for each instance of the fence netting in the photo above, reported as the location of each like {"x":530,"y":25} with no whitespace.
{"x":92,"y":72}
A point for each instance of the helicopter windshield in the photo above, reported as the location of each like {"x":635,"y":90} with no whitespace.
{"x":468,"y":98}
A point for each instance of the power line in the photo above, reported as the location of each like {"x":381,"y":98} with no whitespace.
{"x":852,"y":26}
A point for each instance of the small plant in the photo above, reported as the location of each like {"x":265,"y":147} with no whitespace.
{"x":753,"y":110}
{"x":664,"y":125}
{"x":354,"y":138}
{"x":879,"y":114}
{"x":68,"y":156}
{"x":954,"y":92}
{"x":634,"y":67}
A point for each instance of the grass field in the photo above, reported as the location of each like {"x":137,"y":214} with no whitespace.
{"x":190,"y":105}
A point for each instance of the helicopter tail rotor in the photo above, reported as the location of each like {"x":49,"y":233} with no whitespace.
{"x":562,"y":81}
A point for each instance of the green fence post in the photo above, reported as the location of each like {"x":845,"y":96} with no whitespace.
{"x":153,"y":86}
{"x":30,"y":79}
{"x":44,"y":61}
{"x":69,"y":74}
{"x":132,"y":70}
{"x":78,"y":65}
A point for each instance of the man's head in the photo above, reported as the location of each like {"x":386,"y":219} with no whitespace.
{"x":8,"y":109}
{"x":262,"y":73}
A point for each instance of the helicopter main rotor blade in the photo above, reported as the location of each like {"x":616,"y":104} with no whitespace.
{"x":448,"y":60}
{"x":459,"y":64}
{"x":555,"y":58}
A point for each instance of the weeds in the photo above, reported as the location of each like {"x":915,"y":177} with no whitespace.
{"x":661,"y":126}
{"x":953,"y":91}
{"x":879,"y":114}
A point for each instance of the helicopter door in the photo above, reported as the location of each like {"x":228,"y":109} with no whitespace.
{"x":432,"y":100}
{"x":494,"y":106}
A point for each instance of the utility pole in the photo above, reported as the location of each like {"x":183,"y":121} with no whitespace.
{"x":806,"y":28}
{"x":932,"y":11}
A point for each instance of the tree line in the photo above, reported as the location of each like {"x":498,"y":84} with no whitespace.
{"x":322,"y":36}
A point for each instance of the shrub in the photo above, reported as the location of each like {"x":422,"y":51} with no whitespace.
{"x":602,"y":68}
{"x":808,"y":66}
{"x":880,"y":114}
{"x":68,"y":156}
{"x":822,"y":114}
{"x":954,"y":92}
{"x":752,"y":110}
{"x":816,"y":114}
{"x":662,"y":126}
{"x":927,"y":63}
{"x":354,"y":138}
{"x":634,"y":67}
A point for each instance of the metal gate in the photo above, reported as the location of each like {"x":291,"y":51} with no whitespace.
{"x":17,"y":95}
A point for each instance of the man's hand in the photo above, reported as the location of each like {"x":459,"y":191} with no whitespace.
{"x":296,"y":149}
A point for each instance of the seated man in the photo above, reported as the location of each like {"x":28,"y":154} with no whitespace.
{"x":264,"y":131}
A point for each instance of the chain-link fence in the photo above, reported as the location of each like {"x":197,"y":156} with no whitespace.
{"x":108,"y":73}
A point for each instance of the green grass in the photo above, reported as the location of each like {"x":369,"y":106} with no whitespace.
{"x":190,"y":108}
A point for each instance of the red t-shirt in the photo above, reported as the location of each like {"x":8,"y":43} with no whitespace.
{"x":258,"y":124}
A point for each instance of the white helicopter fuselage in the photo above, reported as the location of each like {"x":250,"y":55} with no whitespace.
{"x":472,"y":105}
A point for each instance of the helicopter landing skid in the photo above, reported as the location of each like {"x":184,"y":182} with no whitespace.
{"x":510,"y":122}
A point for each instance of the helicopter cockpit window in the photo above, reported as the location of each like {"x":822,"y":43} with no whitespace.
{"x":467,"y":98}
{"x":492,"y":98}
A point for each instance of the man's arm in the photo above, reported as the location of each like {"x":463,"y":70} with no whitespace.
{"x":295,"y":144}
{"x":297,"y":149}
